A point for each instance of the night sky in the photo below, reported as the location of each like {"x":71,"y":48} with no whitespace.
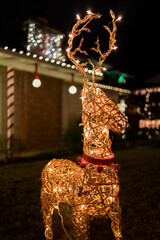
{"x":138,"y":37}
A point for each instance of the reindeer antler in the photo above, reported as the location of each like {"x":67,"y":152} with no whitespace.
{"x":76,"y":30}
{"x":112,"y":41}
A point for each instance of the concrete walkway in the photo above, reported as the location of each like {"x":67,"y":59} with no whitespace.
{"x":20,"y":155}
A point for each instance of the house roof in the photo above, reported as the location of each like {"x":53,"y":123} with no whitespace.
{"x":60,"y":70}
{"x":26,"y":62}
{"x":154,"y":80}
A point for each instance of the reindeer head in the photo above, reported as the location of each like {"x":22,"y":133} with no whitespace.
{"x":99,"y":113}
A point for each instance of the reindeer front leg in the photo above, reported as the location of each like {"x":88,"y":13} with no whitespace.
{"x":48,"y":204}
{"x":80,"y":221}
{"x":47,"y":219}
{"x":115,"y":216}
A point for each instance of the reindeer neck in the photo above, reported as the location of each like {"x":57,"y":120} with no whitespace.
{"x":96,"y":140}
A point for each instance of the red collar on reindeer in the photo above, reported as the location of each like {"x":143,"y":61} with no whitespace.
{"x":99,"y":161}
{"x":96,"y":161}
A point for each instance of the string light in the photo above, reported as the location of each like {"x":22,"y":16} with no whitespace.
{"x":44,"y":41}
{"x":49,"y":59}
{"x":146,"y":123}
{"x":115,"y":47}
{"x":122,"y":106}
{"x":14,"y":50}
{"x":96,"y":104}
{"x":119,"y":18}
{"x":107,"y":87}
{"x":92,"y":188}
{"x":149,"y":111}
{"x":89,"y":12}
{"x":78,"y":17}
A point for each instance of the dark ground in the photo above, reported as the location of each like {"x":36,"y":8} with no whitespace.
{"x":20,"y":215}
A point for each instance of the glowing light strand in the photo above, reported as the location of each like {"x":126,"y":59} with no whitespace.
{"x":76,"y":31}
{"x":91,"y":191}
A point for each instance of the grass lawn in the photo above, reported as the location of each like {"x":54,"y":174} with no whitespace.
{"x":20,"y":215}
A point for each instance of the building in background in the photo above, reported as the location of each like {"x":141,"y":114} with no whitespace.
{"x":43,"y":40}
{"x":146,"y":104}
{"x":120,"y":79}
{"x":153,"y":81}
{"x":45,"y":107}
{"x":42,"y":115}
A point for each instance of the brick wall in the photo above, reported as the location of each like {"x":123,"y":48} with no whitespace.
{"x":40,"y":113}
{"x":71,"y":105}
{"x":37,"y":112}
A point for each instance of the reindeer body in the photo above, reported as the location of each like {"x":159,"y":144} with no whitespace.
{"x":91,"y":191}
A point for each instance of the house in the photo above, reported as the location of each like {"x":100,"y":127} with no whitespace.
{"x":41,"y":115}
{"x":148,"y":107}
{"x":153,"y":81}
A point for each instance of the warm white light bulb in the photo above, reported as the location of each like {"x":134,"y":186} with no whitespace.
{"x":89,"y":12}
{"x":119,"y":18}
{"x":78,"y":17}
{"x":72,"y":89}
{"x":115,"y":47}
{"x":36,"y":83}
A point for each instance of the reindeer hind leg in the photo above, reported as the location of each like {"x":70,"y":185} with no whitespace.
{"x":47,"y":210}
{"x":47,"y":219}
{"x":81,"y":225}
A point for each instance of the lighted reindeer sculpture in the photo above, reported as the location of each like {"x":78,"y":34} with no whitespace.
{"x":92,"y":187}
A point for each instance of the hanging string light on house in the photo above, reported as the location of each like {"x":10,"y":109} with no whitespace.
{"x":148,"y":110}
{"x":36,"y":82}
{"x":43,"y":40}
{"x":72,"y":89}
